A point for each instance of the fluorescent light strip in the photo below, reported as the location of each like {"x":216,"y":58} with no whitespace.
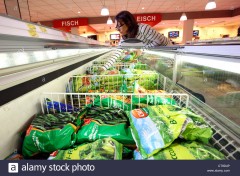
{"x":225,"y":64}
{"x":162,"y":54}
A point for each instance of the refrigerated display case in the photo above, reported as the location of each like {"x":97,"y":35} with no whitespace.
{"x":46,"y":65}
{"x":211,"y":76}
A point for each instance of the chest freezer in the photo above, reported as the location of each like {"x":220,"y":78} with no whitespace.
{"x":31,"y":66}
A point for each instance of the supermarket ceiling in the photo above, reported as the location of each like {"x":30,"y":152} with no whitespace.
{"x":47,"y":10}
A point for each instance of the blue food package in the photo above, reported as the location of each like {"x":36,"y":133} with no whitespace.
{"x":60,"y":107}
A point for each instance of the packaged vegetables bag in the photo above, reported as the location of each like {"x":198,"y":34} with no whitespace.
{"x":156,"y":127}
{"x":151,"y":99}
{"x":111,"y":79}
{"x":102,"y":149}
{"x":187,"y":150}
{"x":195,"y":127}
{"x":50,"y":132}
{"x":146,"y":78}
{"x":122,"y":102}
{"x":141,"y":75}
{"x":82,"y":83}
{"x":127,"y":153}
{"x":130,"y":102}
{"x":141,"y":66}
{"x":100,"y":122}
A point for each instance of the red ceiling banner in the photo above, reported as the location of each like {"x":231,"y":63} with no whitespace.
{"x":151,"y":19}
{"x":73,"y":22}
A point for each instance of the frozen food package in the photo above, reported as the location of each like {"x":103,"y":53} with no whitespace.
{"x":102,"y":149}
{"x":50,"y":132}
{"x":156,"y":127}
{"x":102,"y":122}
{"x":187,"y":150}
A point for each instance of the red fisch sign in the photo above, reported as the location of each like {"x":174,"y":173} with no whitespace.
{"x":70,"y":22}
{"x":151,"y":19}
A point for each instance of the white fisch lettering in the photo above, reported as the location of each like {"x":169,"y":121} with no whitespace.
{"x":146,"y":18}
{"x":138,"y":18}
{"x":70,"y":23}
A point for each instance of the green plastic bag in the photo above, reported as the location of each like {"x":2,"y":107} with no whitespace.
{"x":195,"y":128}
{"x":128,"y":103}
{"x":121,"y":102}
{"x":188,"y":150}
{"x":93,"y":130}
{"x":80,"y":83}
{"x":104,"y":115}
{"x":102,"y":149}
{"x":49,"y":132}
{"x":100,"y":122}
{"x":152,"y":130}
{"x":141,"y":66}
{"x":153,"y":100}
{"x":165,"y":123}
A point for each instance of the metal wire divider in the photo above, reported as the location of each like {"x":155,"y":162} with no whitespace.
{"x":77,"y":101}
{"x":119,"y":66}
{"x":222,"y":139}
{"x":112,"y":83}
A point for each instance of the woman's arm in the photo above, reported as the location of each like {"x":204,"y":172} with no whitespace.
{"x":151,"y":37}
{"x":117,"y":53}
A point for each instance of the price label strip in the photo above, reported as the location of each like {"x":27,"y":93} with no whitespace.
{"x":43,"y":29}
{"x":32,"y":30}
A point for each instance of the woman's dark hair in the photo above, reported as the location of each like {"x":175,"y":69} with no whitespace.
{"x":130,"y":21}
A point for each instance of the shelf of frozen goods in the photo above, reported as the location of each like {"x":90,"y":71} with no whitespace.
{"x":15,"y":33}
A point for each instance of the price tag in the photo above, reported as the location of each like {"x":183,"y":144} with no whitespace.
{"x":43,"y":29}
{"x":32,"y":30}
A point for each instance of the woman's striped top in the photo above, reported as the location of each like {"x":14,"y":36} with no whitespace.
{"x":150,"y":38}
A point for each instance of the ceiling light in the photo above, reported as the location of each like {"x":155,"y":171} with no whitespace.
{"x":104,"y":11}
{"x":183,"y":17}
{"x":109,"y":21}
{"x":210,"y":5}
